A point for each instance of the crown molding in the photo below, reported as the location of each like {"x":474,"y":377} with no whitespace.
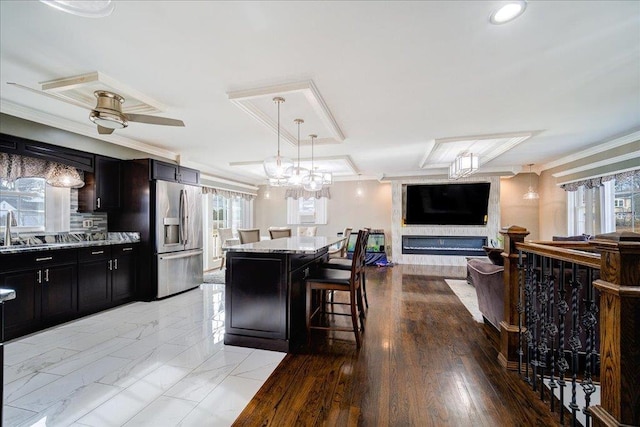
{"x":594,"y":165}
{"x":18,"y":110}
{"x":596,"y":149}
{"x":228,"y":181}
{"x":503,"y":172}
{"x":243,"y":98}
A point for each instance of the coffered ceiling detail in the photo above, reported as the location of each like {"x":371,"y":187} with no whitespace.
{"x":339,"y":166}
{"x":81,"y":88}
{"x":302,"y":100}
{"x":441,"y":152}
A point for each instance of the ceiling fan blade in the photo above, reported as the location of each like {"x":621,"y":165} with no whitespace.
{"x":104,"y":131}
{"x":154,"y":120}
{"x":41,"y":92}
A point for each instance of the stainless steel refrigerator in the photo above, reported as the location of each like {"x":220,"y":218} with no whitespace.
{"x":178,"y":237}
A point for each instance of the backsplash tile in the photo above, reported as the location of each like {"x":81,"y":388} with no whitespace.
{"x":76,"y":218}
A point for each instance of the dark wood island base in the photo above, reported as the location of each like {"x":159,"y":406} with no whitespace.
{"x":265,"y":291}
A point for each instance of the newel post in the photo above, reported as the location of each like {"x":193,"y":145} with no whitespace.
{"x":619,"y":286}
{"x":509,"y":344}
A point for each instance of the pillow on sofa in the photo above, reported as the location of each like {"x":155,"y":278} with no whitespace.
{"x":494,"y":254}
{"x":579,"y":238}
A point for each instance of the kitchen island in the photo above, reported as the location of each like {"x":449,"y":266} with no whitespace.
{"x":265,"y":291}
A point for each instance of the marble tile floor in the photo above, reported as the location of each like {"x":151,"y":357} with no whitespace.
{"x":161,"y":363}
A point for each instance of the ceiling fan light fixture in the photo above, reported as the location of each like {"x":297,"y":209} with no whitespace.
{"x":108,"y":119}
{"x":508,"y":12}
{"x":84,"y":8}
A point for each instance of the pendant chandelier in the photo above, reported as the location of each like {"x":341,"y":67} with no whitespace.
{"x":464,"y":165}
{"x":531,"y":194}
{"x":314,"y":180}
{"x":296,"y":172}
{"x":65,"y":176}
{"x":278,"y":168}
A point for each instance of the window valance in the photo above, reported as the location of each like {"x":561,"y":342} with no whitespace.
{"x":297,"y":193}
{"x":598,"y":181}
{"x":227,"y":193}
{"x":13,"y":166}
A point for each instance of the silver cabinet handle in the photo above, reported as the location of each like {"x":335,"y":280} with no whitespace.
{"x":115,"y":261}
{"x":98,"y":202}
{"x":126,"y":249}
{"x":97,"y":252}
{"x":39,"y":276}
{"x":47,"y":258}
{"x":46,"y":275}
{"x":110,"y":264}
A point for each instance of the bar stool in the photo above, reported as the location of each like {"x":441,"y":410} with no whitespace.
{"x":346,"y":263}
{"x":325,"y":279}
{"x":249,"y":235}
{"x":277,"y":233}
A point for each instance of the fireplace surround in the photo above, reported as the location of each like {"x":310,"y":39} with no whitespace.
{"x":444,"y":245}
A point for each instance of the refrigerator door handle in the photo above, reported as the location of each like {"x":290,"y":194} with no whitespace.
{"x":181,"y":255}
{"x":186,"y":217}
{"x":181,"y":215}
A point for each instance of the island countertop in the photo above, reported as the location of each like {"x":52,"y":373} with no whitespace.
{"x":288,"y":245}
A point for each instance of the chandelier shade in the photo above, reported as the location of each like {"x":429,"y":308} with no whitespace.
{"x":531,"y":194}
{"x":278,"y":167}
{"x":296,"y":173}
{"x":464,"y":165}
{"x":312,"y":181}
{"x":65,"y":176}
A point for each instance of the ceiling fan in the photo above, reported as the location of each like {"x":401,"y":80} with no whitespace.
{"x":107,"y":114}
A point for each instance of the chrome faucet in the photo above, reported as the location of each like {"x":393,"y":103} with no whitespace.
{"x":11,"y":222}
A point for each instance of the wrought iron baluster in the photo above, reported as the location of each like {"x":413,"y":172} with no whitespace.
{"x":520,"y":308}
{"x":552,"y":330}
{"x":589,"y":320}
{"x":543,"y":342}
{"x":534,"y":322}
{"x":529,"y":286}
{"x":574,"y":342}
{"x":563,"y":365}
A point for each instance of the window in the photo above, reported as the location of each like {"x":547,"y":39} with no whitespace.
{"x":611,"y":207}
{"x":233,"y":212}
{"x":306,"y":211}
{"x":626,"y":207}
{"x":26,"y":198}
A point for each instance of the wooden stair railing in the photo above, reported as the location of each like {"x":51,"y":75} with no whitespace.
{"x":617,"y":257}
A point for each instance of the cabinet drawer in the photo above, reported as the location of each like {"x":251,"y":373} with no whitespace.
{"x":119,"y":250}
{"x":94,"y":253}
{"x":12,"y":262}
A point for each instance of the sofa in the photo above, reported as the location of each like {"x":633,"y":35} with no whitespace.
{"x":488,"y":280}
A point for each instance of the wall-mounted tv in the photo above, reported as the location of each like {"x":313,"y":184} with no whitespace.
{"x":447,"y":204}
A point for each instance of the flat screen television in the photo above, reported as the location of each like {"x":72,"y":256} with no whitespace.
{"x":447,"y":204}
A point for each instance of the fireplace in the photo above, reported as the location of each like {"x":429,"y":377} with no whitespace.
{"x":444,"y":245}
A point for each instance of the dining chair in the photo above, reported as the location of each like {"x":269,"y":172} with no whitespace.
{"x":346,"y":263}
{"x":307,"y":231}
{"x":249,"y":235}
{"x":341,"y":250}
{"x":224,"y":235}
{"x":326,"y":279}
{"x":278,"y":233}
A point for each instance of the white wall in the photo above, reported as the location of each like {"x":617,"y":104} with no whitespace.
{"x":344,"y":208}
{"x":517,"y":211}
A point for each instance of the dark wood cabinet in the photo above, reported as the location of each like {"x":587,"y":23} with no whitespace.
{"x":106,"y":276}
{"x":94,"y":278}
{"x":68,"y":156}
{"x":46,"y":290}
{"x":174,"y":173}
{"x":22,"y":315}
{"x":265,"y":298}
{"x":101,"y":191}
{"x":123,"y":276}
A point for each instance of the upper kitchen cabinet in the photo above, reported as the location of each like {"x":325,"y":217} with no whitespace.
{"x":101,"y":191}
{"x":67,"y":156}
{"x":174,"y":173}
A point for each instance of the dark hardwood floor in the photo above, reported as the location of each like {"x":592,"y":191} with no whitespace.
{"x":424,"y":362}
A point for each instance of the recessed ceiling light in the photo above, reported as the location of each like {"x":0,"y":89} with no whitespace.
{"x":85,"y":8}
{"x":508,"y":12}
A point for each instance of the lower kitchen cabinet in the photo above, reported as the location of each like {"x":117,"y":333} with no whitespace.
{"x":94,"y":278}
{"x":46,"y":290}
{"x":59,"y":285}
{"x":123,"y":275}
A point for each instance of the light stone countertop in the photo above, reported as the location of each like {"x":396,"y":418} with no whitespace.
{"x":287,"y":245}
{"x":112,"y":239}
